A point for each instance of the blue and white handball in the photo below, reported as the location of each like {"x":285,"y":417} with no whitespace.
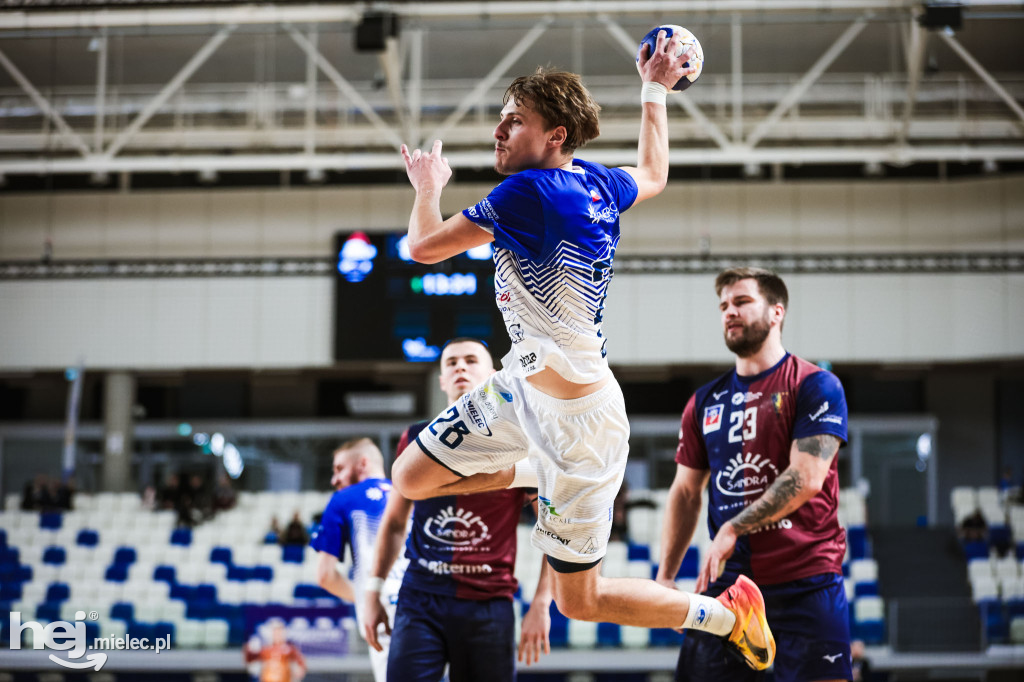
{"x":684,"y":39}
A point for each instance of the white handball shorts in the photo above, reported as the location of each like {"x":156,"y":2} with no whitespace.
{"x":578,"y":447}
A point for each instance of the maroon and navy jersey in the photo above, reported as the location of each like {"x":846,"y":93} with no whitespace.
{"x":741,"y":429}
{"x":463,"y":545}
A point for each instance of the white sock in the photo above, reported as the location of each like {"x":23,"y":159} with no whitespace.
{"x":709,"y":615}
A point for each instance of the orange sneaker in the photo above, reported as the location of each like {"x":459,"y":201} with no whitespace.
{"x":751,"y":638}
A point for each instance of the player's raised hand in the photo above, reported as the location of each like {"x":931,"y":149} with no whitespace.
{"x":663,"y":65}
{"x":718,"y":553}
{"x":375,"y":617}
{"x":427,"y":171}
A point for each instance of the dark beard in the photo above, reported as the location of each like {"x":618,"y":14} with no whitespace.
{"x":750,"y":341}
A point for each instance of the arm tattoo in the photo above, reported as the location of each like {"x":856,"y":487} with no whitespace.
{"x":823,"y":446}
{"x":787,"y":486}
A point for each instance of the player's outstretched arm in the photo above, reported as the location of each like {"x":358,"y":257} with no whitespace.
{"x":387,"y":547}
{"x":810,"y":459}
{"x":682,"y":509}
{"x":432,"y":238}
{"x":329,"y":578}
{"x":659,"y":70}
{"x":534,"y":637}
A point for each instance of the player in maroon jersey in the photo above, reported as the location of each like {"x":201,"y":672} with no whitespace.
{"x":763,"y":439}
{"x":455,"y":605}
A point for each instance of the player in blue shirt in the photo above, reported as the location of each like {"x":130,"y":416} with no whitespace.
{"x":555,"y":411}
{"x":351,"y":520}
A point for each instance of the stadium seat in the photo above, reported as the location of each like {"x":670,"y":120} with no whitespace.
{"x":634,"y":637}
{"x":1017,"y":630}
{"x":215,"y":635}
{"x":52,"y":520}
{"x":869,"y":619}
{"x":58,"y":592}
{"x":54,"y":555}
{"x":582,"y":634}
{"x":181,"y":536}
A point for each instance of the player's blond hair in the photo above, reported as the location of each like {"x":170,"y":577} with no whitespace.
{"x":562,"y":100}
{"x":363,"y":447}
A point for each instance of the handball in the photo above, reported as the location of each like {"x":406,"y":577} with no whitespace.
{"x":683,"y":39}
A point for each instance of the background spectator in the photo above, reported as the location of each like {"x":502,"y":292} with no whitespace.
{"x":295,"y":533}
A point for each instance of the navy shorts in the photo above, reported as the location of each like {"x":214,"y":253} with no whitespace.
{"x":811,"y":624}
{"x":475,"y":638}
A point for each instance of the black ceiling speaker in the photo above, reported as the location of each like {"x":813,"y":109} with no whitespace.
{"x":373,"y":29}
{"x":938,"y":16}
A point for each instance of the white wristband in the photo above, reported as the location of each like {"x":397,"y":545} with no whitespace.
{"x":524,"y":476}
{"x":655,"y":93}
{"x":374,"y":584}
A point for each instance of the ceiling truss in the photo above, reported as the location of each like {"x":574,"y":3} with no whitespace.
{"x":339,"y":121}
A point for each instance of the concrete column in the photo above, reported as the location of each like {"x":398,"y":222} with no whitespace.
{"x":118,"y":430}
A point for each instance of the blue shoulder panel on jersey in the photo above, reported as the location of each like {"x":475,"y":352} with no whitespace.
{"x":820,"y":407}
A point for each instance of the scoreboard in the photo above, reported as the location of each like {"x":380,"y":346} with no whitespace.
{"x":389,"y":307}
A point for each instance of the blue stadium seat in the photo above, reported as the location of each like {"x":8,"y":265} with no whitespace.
{"x":122,"y":611}
{"x":3,"y":539}
{"x":608,"y":635}
{"x":141,"y":630}
{"x":293,"y":554}
{"x":994,"y":620}
{"x":204,"y":592}
{"x":866,"y":589}
{"x":48,"y":611}
{"x":58,"y":592}
{"x":55,"y":555}
{"x":117,"y":573}
{"x":666,"y":637}
{"x":638,"y":553}
{"x":201,"y":610}
{"x":92,"y":631}
{"x":51,"y":520}
{"x":165,"y":573}
{"x":87,"y":538}
{"x":10,"y":591}
{"x":236,"y":630}
{"x":125,"y":555}
{"x":690,"y":568}
{"x":163,"y":629}
{"x":9,"y":555}
{"x":308,"y":591}
{"x":857,"y":541}
{"x":976,"y":549}
{"x":181,"y":536}
{"x":264,"y":573}
{"x":220,"y":555}
{"x":559,"y":634}
{"x":183,"y":592}
{"x":239,"y":573}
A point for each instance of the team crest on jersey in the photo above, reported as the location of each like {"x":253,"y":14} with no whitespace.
{"x":777,"y":399}
{"x":456,"y":528}
{"x":713,"y":418}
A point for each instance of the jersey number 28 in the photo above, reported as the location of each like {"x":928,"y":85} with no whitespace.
{"x":452,"y":435}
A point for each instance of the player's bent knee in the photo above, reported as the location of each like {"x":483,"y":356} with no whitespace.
{"x":576,"y":594}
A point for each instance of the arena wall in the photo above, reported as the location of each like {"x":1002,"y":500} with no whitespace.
{"x":651,"y":319}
